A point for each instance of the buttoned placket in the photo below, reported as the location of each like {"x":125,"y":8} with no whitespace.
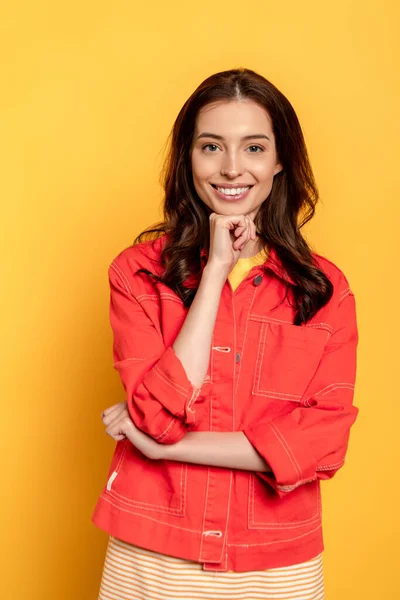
{"x":219,"y":480}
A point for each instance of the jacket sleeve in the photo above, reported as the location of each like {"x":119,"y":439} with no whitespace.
{"x":161,"y":400}
{"x":311,"y":441}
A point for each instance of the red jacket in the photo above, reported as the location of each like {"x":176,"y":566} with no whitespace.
{"x":288,"y":388}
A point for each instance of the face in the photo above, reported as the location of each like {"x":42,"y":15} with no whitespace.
{"x":233,"y":157}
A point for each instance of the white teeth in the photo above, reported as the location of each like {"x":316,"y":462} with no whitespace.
{"x":233,"y":191}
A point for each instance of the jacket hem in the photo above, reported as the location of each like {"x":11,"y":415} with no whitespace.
{"x":185,"y":543}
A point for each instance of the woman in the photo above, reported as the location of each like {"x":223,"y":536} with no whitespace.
{"x":236,"y":345}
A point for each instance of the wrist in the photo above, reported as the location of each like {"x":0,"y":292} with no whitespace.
{"x":214,"y":274}
{"x":157,"y":451}
{"x":143,"y":442}
{"x":167,"y":451}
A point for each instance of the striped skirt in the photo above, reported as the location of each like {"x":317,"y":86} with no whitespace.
{"x":133,"y":573}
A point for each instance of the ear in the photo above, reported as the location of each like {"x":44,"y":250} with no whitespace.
{"x":278,"y":168}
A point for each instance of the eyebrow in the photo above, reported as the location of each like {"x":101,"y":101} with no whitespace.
{"x":252,"y":136}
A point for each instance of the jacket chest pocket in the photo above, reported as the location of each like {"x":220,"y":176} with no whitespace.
{"x":286,"y":357}
{"x":138,"y":483}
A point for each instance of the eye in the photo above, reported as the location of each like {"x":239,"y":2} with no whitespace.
{"x":258,"y":148}
{"x":208,"y":145}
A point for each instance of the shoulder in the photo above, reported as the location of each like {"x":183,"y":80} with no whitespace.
{"x":342,"y":289}
{"x":143,"y":255}
{"x":333,"y":271}
{"x":123,"y":268}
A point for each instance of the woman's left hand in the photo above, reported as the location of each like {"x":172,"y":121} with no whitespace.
{"x":120,"y":425}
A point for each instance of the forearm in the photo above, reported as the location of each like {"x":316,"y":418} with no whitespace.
{"x":192,"y":344}
{"x":219,"y":449}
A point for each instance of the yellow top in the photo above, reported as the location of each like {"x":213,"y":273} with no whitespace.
{"x":243,"y":266}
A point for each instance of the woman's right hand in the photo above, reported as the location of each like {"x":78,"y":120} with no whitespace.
{"x":228,"y":236}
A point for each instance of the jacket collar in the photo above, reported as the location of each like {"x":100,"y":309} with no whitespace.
{"x":273,"y":262}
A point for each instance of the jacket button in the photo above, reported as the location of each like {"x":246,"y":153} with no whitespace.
{"x":257,"y":279}
{"x":237,"y":357}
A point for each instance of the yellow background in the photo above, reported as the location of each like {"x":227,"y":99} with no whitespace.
{"x":90,"y":91}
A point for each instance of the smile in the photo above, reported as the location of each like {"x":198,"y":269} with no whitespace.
{"x":231,"y":194}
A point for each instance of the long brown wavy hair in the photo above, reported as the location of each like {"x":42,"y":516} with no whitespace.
{"x":290,"y":204}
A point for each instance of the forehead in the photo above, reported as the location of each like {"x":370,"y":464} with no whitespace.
{"x":233,"y":118}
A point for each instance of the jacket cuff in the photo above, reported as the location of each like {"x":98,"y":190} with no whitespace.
{"x":168,"y":382}
{"x":282,"y":445}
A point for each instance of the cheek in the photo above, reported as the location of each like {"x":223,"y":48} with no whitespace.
{"x":202,"y":168}
{"x":263,"y":172}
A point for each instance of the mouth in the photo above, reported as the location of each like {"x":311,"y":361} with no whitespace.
{"x":231,"y":194}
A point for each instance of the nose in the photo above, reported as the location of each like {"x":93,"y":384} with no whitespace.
{"x":231,"y":166}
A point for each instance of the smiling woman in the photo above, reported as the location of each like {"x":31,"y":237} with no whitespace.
{"x":236,"y":346}
{"x":235,"y":170}
{"x":237,"y":130}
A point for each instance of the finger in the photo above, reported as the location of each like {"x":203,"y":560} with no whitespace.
{"x":243,"y":224}
{"x":251,"y":228}
{"x":110,"y":409}
{"x":116,"y":428}
{"x":239,"y":240}
{"x":113,"y":422}
{"x":116,"y":431}
{"x":110,"y":417}
{"x":241,"y":244}
{"x":118,"y":437}
{"x":110,"y":413}
{"x":248,"y":233}
{"x":245,"y":233}
{"x":119,"y":426}
{"x":239,"y":230}
{"x":242,"y":239}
